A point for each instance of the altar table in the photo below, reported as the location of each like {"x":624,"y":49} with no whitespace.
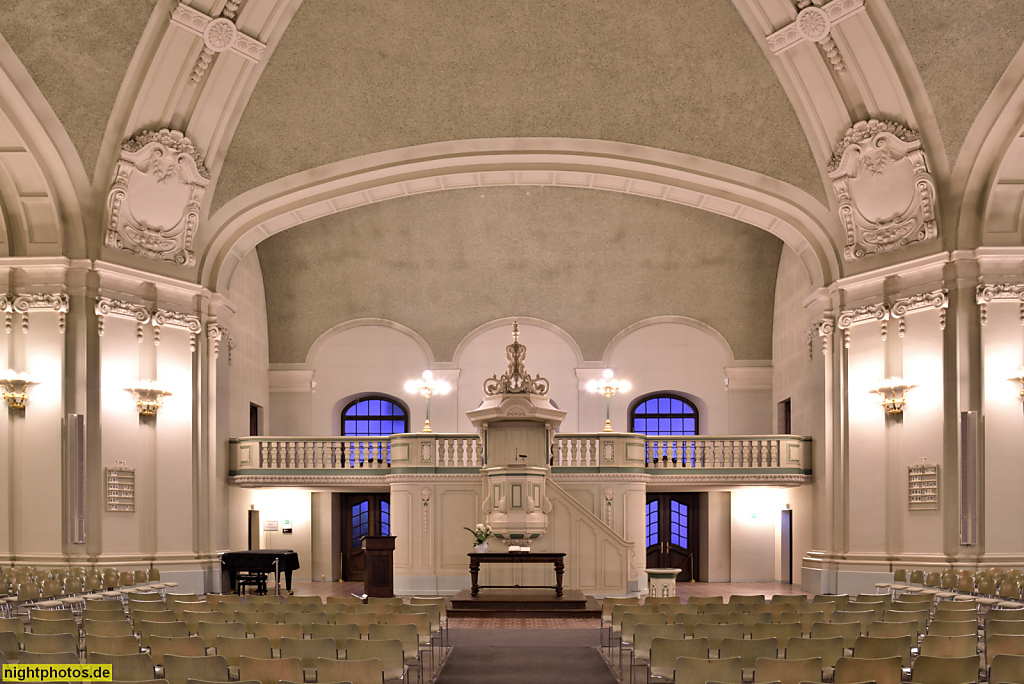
{"x":475,"y":559}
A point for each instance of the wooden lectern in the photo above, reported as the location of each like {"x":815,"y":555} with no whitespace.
{"x":380,"y":577}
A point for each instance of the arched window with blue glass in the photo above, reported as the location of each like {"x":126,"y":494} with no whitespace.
{"x":668,"y":416}
{"x":373,"y":416}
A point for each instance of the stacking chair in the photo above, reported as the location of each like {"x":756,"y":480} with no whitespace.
{"x":723,"y":610}
{"x":660,"y":601}
{"x":884,"y":647}
{"x":107,"y":628}
{"x":749,"y":651}
{"x":161,"y":647}
{"x":666,"y":652}
{"x":231,"y":609}
{"x":308,"y":603}
{"x":209,"y":631}
{"x":829,"y":650}
{"x":423,"y":629}
{"x":716,"y":633}
{"x":643,"y":637}
{"x":382,"y":601}
{"x":308,"y":651}
{"x":918,"y":616}
{"x":1004,"y":627}
{"x":849,"y":631}
{"x":368,"y":671}
{"x":388,"y":651}
{"x":840,"y":601}
{"x":164,"y":629}
{"x":1003,"y":644}
{"x":61,"y":658}
{"x":127,"y":668}
{"x":193,"y":619}
{"x":939,"y":670}
{"x":180,"y":669}
{"x":884,"y":599}
{"x":114,"y":645}
{"x":98,"y":604}
{"x":805,"y":620}
{"x":782,"y":633}
{"x":788,"y":671}
{"x":350,"y":601}
{"x":406,"y":635}
{"x":690,"y":621}
{"x":216,"y":600}
{"x":54,"y":627}
{"x":750,"y":620}
{"x":702,"y":601}
{"x":13,"y":625}
{"x":276,"y":632}
{"x":618,"y":611}
{"x":50,"y":643}
{"x":9,"y":645}
{"x":949,"y":646}
{"x":947,"y":615}
{"x":893,"y":629}
{"x":340,"y":634}
{"x":51,"y":614}
{"x":862,"y":617}
{"x":699,"y":671}
{"x":747,"y":600}
{"x":958,"y":606}
{"x":878,"y":670}
{"x":362,"y":620}
{"x":953,"y":628}
{"x":173,"y":598}
{"x":1006,"y":669}
{"x":792,"y":599}
{"x":152,"y":616}
{"x":233,"y":648}
{"x":628,"y":627}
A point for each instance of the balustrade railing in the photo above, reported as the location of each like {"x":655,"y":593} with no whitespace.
{"x":316,"y":454}
{"x":664,"y":453}
{"x":713,"y":452}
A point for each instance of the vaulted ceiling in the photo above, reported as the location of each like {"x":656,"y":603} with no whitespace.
{"x":345,"y":86}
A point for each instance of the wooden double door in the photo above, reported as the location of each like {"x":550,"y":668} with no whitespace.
{"x":672,"y":533}
{"x":362,"y":515}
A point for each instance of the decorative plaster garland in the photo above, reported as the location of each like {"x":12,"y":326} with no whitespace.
{"x":1001,"y":292}
{"x":24,"y":304}
{"x":900,"y":309}
{"x":813,"y":24}
{"x":219,"y":35}
{"x":120,"y":308}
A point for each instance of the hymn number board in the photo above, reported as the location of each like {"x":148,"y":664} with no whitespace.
{"x":924,"y":487}
{"x":121,"y":489}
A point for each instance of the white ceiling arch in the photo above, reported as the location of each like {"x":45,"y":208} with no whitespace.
{"x":42,"y":180}
{"x":788,"y":213}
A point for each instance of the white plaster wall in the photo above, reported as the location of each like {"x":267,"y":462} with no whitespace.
{"x":867,"y":424}
{"x":370,"y":359}
{"x":173,"y":467}
{"x":921,"y":437}
{"x":790,"y":361}
{"x":1002,"y":345}
{"x":753,"y":537}
{"x":669,"y":356}
{"x":250,"y":357}
{"x":36,"y":443}
{"x":278,"y":504}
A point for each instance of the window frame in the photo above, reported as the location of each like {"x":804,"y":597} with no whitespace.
{"x":640,"y":401}
{"x":396,"y":402}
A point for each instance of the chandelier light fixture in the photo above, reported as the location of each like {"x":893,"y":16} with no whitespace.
{"x":892,"y":394}
{"x":426,"y":387}
{"x":149,"y":396}
{"x":608,"y":386}
{"x":15,"y":388}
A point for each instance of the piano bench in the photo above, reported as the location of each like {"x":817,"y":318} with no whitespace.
{"x":252,"y":579}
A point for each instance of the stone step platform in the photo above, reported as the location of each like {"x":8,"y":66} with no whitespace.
{"x":524,"y":603}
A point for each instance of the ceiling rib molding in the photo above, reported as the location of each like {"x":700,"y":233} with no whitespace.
{"x":790,"y":214}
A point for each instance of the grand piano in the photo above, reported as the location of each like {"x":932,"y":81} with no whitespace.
{"x":261,"y":562}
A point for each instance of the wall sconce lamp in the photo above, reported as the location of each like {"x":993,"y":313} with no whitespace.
{"x":148,"y":396}
{"x":1019,"y":377}
{"x":892,"y":394}
{"x":15,"y":386}
{"x":426,"y":387}
{"x":608,"y":386}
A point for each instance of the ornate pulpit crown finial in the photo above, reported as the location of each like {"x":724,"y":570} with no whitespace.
{"x":516,"y":380}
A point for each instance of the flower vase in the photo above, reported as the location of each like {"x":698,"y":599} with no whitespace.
{"x":481,"y":548}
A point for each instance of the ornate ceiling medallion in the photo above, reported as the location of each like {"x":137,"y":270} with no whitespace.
{"x":153,"y":205}
{"x":886,"y":193}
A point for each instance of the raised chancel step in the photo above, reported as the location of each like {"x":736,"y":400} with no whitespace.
{"x":523,"y":603}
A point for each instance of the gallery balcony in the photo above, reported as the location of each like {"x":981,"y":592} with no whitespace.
{"x":703,"y":461}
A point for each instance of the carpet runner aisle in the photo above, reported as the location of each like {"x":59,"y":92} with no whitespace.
{"x":533,"y":656}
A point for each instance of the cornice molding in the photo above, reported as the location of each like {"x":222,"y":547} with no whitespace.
{"x":141,"y":314}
